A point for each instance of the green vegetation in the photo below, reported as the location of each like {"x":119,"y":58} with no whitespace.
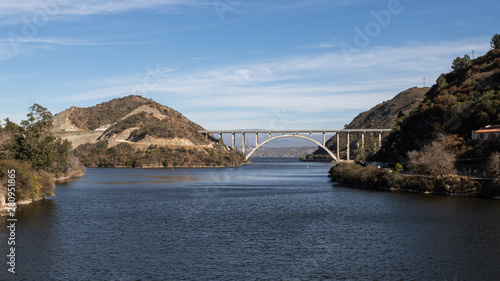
{"x":495,"y":42}
{"x":125,"y":155}
{"x":461,"y":63}
{"x":357,"y":175}
{"x":30,"y":183}
{"x":36,"y":154}
{"x":371,"y":177}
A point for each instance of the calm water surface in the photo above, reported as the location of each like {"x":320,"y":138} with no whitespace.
{"x":267,"y":220}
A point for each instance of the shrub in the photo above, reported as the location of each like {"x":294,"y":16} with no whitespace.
{"x":494,"y":167}
{"x":461,"y":63}
{"x":30,"y":184}
{"x":434,"y":160}
{"x":354,"y":174}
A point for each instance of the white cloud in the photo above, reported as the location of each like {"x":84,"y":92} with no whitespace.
{"x":302,"y":84}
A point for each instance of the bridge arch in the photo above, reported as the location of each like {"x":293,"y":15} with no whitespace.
{"x":291,"y":136}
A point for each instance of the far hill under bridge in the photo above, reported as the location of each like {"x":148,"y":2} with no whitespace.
{"x":303,"y":134}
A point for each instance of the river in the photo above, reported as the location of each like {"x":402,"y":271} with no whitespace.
{"x":276,"y":219}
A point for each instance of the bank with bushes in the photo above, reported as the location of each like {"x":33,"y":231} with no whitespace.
{"x":34,"y":157}
{"x":372,"y":177}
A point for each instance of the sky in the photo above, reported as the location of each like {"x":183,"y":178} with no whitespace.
{"x":234,"y":64}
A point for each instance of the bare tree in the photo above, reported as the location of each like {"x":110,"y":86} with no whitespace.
{"x":434,"y":160}
{"x":494,"y":166}
{"x":5,"y":139}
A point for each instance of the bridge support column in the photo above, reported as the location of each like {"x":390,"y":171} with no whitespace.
{"x":363,"y":145}
{"x":234,"y":142}
{"x":243,"y":142}
{"x":269,"y":134}
{"x":220,"y":138}
{"x":348,"y":156}
{"x":256,"y":139}
{"x":324,"y":138}
{"x":338,"y":145}
{"x":380,"y":139}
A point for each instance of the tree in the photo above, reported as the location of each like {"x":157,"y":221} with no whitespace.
{"x":434,"y":160}
{"x":34,"y":143}
{"x":461,"y":63}
{"x":494,"y":166}
{"x":441,"y":81}
{"x":495,"y":41}
{"x":30,"y":183}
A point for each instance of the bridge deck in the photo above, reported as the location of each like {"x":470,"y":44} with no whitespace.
{"x":294,"y":131}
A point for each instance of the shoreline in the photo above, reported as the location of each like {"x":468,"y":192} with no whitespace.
{"x":172,"y":167}
{"x":4,"y":210}
{"x":394,"y":189}
{"x":373,"y":178}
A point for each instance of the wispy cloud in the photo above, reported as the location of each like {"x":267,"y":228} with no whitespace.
{"x":16,"y":45}
{"x":91,"y":7}
{"x":55,"y":41}
{"x":304,"y":84}
{"x":300,"y":6}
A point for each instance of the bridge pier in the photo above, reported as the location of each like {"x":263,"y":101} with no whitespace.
{"x":256,"y":139}
{"x":348,"y":157}
{"x":234,"y":140}
{"x":363,"y":145}
{"x":243,"y":142}
{"x":338,"y":144}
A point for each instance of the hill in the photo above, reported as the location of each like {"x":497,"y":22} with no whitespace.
{"x":138,"y":132}
{"x":384,"y":115}
{"x":465,"y":99}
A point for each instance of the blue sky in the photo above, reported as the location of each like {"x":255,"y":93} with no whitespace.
{"x":234,"y":64}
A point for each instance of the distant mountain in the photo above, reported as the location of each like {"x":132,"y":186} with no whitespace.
{"x":136,"y":131}
{"x":463,"y":100}
{"x":382,"y":116}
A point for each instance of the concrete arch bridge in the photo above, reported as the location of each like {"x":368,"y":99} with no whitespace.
{"x":302,"y":134}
